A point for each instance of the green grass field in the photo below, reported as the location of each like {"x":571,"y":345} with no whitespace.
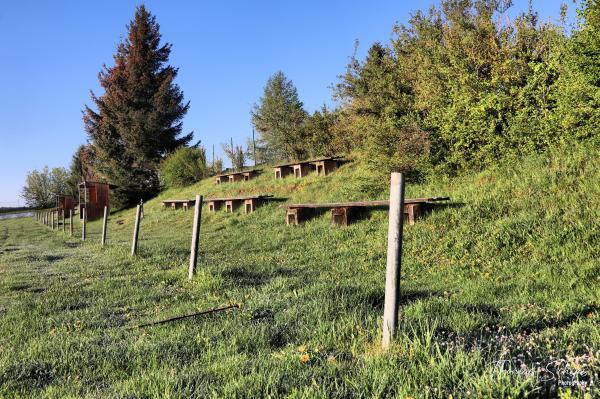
{"x":500,"y":295}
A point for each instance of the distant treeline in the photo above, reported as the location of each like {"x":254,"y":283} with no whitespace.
{"x":8,"y":209}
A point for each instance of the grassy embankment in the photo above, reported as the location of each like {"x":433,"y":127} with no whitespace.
{"x":509,"y":273}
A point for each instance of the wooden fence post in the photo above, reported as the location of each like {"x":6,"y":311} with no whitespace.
{"x":136,"y":230}
{"x":83,"y":226}
{"x":71,"y":222}
{"x":195,"y":237}
{"x":63,"y":219}
{"x":394,"y":259}
{"x":52,"y":219}
{"x":104,"y":225}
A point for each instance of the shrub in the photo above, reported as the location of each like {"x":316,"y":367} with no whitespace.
{"x":183,"y":167}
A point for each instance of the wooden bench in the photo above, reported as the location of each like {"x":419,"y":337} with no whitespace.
{"x":323,"y":166}
{"x":344,"y":213}
{"x":185,"y":204}
{"x":232,"y":177}
{"x":231,"y":204}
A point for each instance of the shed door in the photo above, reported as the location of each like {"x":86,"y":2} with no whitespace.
{"x":93,"y":198}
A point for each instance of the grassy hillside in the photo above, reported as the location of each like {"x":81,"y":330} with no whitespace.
{"x":495,"y":288}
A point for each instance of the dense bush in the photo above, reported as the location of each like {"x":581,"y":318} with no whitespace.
{"x":184,"y":167}
{"x":458,"y":86}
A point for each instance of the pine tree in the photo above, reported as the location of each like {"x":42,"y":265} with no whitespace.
{"x":279,"y":119}
{"x":83,"y":166}
{"x":138,"y":120}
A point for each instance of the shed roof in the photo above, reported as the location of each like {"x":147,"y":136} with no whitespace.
{"x":88,"y":183}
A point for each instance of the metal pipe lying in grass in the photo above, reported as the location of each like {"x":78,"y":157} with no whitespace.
{"x":214,"y":310}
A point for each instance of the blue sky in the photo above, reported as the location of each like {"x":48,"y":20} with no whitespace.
{"x":225,"y":51}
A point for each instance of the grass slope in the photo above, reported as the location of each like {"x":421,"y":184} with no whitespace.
{"x":500,"y":284}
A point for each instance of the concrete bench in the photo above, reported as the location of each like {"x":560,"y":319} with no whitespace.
{"x":344,"y":213}
{"x":232,"y":177}
{"x":185,"y":204}
{"x":233,"y":203}
{"x":322,"y":166}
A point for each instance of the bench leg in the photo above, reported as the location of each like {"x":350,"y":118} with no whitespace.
{"x":291,"y":217}
{"x":340,"y":216}
{"x":414,"y":212}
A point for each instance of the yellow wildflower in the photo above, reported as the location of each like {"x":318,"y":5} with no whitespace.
{"x":304,"y":358}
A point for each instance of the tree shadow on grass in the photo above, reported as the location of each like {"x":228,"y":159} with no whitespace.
{"x":357,"y":295}
{"x":247,"y":276}
{"x":559,"y":322}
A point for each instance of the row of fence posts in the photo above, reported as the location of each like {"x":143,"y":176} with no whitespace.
{"x":52,"y":218}
{"x":47,"y":217}
{"x":394,"y":251}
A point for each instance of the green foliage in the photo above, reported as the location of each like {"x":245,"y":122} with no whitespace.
{"x":236,"y":155}
{"x":321,"y":134}
{"x":139,"y":117}
{"x":83,"y":167}
{"x":279,"y":119}
{"x":578,"y":97}
{"x":183,"y":167}
{"x":41,"y":187}
{"x":457,"y":88}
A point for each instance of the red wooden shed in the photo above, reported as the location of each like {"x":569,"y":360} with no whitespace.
{"x":65,"y":202}
{"x":94,"y":196}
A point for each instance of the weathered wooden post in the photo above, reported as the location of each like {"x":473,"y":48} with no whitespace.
{"x":52,"y":219}
{"x":104,"y":225}
{"x":83,"y":225}
{"x":71,"y":222}
{"x":394,"y":259}
{"x":63,"y":220}
{"x":195,"y":237}
{"x":136,"y":230}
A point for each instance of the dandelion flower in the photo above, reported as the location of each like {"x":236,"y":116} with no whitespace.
{"x":302,"y":349}
{"x":304,"y":358}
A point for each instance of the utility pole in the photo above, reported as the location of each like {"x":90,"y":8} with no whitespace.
{"x":254,"y":147}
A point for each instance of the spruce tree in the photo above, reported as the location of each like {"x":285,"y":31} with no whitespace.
{"x":279,"y":118}
{"x":138,"y":119}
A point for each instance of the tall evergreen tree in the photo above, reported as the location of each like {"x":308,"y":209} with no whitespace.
{"x":83,"y":166}
{"x":279,"y":118}
{"x":138,"y":120}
